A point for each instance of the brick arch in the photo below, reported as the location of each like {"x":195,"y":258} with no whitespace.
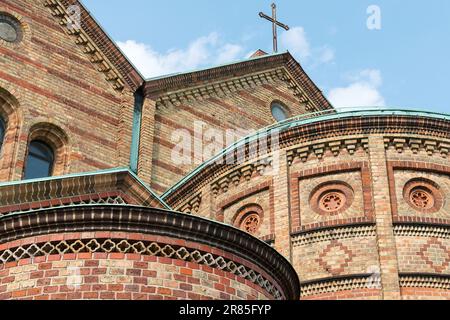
{"x":244,"y":211}
{"x":13,"y":118}
{"x":57,"y":139}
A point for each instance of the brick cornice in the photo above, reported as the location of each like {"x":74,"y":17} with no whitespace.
{"x":219,"y":81}
{"x":48,"y":193}
{"x":100,"y":49}
{"x":338,"y":126}
{"x":156,"y":222}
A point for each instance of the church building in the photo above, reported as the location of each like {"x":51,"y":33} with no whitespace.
{"x":235,"y":182}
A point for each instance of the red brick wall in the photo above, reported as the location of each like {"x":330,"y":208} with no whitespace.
{"x":119,"y":276}
{"x":115,"y":275}
{"x":53,"y":81}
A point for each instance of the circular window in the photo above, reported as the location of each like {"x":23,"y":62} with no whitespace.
{"x":331,"y":198}
{"x":249,"y":218}
{"x":332,"y":201}
{"x":250,"y":223}
{"x":279,"y":112}
{"x":423,"y":195}
{"x":422,"y":198}
{"x":10,"y":30}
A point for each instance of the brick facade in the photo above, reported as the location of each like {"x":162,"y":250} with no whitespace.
{"x":70,"y":98}
{"x":118,"y":276}
{"x":374,"y":244}
{"x":357,"y":203}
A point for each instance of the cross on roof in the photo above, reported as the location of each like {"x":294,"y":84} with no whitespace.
{"x":275,"y":23}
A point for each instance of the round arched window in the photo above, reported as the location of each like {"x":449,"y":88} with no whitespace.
{"x":39,"y":161}
{"x":2,"y":132}
{"x":10,"y":29}
{"x":279,"y":112}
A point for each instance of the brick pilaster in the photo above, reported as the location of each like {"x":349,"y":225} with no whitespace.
{"x":282,"y":207}
{"x":383,"y":215}
{"x":146,"y":141}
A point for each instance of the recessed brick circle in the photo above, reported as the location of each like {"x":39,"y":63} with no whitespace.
{"x":249,"y":218}
{"x":251,"y":223}
{"x":423,"y":195}
{"x":331,"y":198}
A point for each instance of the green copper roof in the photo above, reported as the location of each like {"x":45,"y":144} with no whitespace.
{"x":72,"y":175}
{"x":92,"y":173}
{"x":309,"y":118}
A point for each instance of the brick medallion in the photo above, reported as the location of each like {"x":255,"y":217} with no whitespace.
{"x":249,"y":218}
{"x":423,"y":195}
{"x":331,"y":198}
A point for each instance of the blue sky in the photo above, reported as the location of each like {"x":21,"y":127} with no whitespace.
{"x":405,"y":64}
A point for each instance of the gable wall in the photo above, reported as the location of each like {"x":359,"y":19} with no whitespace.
{"x":245,"y":109}
{"x":54,"y":82}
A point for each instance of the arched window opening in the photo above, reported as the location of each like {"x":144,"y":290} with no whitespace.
{"x":40,"y":160}
{"x":2,"y":132}
{"x":279,"y":112}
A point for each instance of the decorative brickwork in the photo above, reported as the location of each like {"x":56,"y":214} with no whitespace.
{"x":423,"y":195}
{"x":88,"y":247}
{"x":355,"y":204}
{"x":97,"y":46}
{"x":114,"y":187}
{"x":249,"y":218}
{"x":132,"y":233}
{"x":352,"y":204}
{"x":338,"y":289}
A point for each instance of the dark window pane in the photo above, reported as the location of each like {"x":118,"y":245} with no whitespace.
{"x":40,"y":161}
{"x":2,"y":132}
{"x":278,"y":112}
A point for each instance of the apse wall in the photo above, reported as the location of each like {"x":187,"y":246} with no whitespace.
{"x":126,"y":252}
{"x":357,"y":201}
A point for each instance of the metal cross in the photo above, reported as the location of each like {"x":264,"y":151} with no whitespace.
{"x":275,"y":23}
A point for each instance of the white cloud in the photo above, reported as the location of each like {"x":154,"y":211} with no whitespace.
{"x":363,"y":91}
{"x":228,"y":53}
{"x":325,"y":55}
{"x":208,"y":50}
{"x":296,"y":42}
